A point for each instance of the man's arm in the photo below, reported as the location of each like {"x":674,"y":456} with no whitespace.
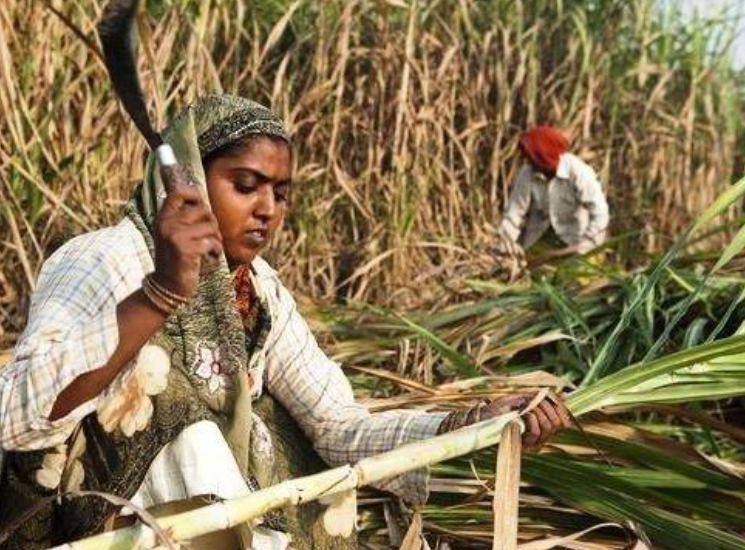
{"x":518,"y":206}
{"x":591,"y":196}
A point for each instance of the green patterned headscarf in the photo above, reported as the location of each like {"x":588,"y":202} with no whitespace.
{"x":208,"y":334}
{"x":207,"y":125}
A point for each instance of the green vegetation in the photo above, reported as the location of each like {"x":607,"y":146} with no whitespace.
{"x":660,"y":457}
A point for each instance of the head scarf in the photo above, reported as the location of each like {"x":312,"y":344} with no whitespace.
{"x":207,"y":125}
{"x":543,"y":146}
{"x":210,"y":329}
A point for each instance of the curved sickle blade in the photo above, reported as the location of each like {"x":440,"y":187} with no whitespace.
{"x":119,"y":41}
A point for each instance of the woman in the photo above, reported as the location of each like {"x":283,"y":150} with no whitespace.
{"x":140,"y":362}
{"x":555,"y":190}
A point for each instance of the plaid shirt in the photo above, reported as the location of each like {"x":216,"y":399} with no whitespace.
{"x":72,"y":330}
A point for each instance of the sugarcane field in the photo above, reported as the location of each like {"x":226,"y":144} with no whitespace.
{"x":372,"y":274}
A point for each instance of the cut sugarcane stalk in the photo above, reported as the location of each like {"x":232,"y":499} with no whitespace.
{"x":507,"y":489}
{"x":224,"y":515}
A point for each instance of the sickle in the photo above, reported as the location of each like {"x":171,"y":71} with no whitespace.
{"x":118,"y":35}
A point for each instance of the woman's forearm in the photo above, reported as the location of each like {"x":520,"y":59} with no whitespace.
{"x":137,"y":319}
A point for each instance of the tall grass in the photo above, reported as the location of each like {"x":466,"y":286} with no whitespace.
{"x":405,"y":117}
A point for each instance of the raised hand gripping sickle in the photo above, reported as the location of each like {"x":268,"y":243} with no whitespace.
{"x":118,"y":35}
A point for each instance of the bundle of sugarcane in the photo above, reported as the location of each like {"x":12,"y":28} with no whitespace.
{"x":337,"y":487}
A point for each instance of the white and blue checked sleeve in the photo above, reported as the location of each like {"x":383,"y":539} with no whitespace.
{"x":318,"y":395}
{"x":72,"y":330}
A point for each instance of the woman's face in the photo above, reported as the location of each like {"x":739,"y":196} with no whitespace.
{"x":248,"y":192}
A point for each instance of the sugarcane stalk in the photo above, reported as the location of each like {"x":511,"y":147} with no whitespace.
{"x":223,"y":515}
{"x":507,"y":489}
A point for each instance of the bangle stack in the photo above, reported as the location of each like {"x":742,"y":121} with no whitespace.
{"x":461,"y":418}
{"x":163,"y":299}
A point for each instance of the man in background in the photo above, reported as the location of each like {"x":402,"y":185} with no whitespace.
{"x":556,"y":198}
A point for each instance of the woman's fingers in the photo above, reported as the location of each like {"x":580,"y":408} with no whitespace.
{"x":185,"y":232}
{"x":543,"y":421}
{"x":566,"y":418}
{"x":209,"y":245}
{"x":199,"y":230}
{"x":530,"y":437}
{"x":544,"y":424}
{"x":194,"y":214}
{"x":547,"y":418}
{"x":551,"y":412}
{"x":180,"y":196}
{"x":559,"y":406}
{"x":186,"y":206}
{"x":203,"y":238}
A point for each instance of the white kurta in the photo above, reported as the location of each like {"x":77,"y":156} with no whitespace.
{"x":572,"y":203}
{"x":197,"y":463}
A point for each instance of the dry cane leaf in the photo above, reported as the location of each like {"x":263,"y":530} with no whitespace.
{"x":539,"y":397}
{"x":413,"y":539}
{"x":554,"y":542}
{"x":507,"y":488}
{"x":340,"y":517}
{"x":729,"y":468}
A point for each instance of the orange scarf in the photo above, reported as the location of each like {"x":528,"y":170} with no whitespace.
{"x":543,"y":146}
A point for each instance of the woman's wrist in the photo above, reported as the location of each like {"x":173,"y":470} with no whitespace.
{"x":164,"y":300}
{"x":462,"y":418}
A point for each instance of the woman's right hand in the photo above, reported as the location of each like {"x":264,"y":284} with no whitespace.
{"x":185,"y":231}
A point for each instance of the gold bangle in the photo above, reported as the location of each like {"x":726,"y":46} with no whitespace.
{"x":165,"y":297}
{"x":164,"y":307}
{"x":172,"y":296}
{"x":157,"y":300}
{"x":172,"y":304}
{"x":173,"y":300}
{"x":164,"y":302}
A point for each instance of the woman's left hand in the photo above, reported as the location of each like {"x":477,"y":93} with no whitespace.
{"x":545,"y":419}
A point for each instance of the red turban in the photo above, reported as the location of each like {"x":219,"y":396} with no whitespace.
{"x":543,"y":146}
